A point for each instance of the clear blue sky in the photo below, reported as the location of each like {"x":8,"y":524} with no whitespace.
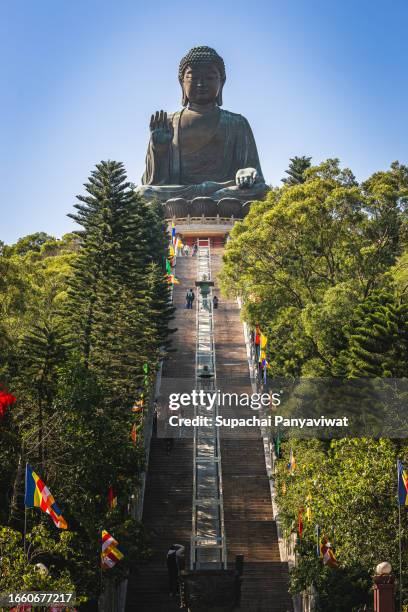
{"x":81,"y":78}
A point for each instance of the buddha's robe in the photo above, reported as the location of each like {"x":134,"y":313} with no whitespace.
{"x":207,"y":169}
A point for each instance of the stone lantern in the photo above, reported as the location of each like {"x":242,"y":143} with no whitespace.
{"x":204,"y":286}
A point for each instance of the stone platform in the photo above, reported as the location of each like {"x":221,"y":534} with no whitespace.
{"x":203,"y":216}
{"x":226,"y":208}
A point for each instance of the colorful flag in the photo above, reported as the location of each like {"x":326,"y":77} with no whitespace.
{"x":37,"y":495}
{"x":264,"y":366}
{"x":327,"y":554}
{"x":6,"y":400}
{"x":300,"y":522}
{"x":110,"y":554}
{"x":138,"y":405}
{"x":134,"y":434}
{"x":264,"y":341}
{"x":402,"y":484}
{"x":168,"y":266}
{"x":112,"y":498}
{"x":146,"y":374}
{"x":308,"y":508}
{"x":172,"y":280}
{"x":257,"y":335}
{"x":171,"y":250}
{"x":277,"y":445}
{"x":173,"y":234}
{"x":292,"y":462}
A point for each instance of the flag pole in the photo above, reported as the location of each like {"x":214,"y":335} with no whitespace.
{"x":25,"y":511}
{"x":400,"y":555}
{"x":399,"y":530}
{"x":25,"y":528}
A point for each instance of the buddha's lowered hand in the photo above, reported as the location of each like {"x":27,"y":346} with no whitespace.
{"x":246,"y":177}
{"x":161,"y":130}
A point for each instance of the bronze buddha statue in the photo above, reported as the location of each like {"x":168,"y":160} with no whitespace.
{"x":201,"y":150}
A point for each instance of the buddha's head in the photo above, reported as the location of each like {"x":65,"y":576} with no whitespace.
{"x":202,"y":76}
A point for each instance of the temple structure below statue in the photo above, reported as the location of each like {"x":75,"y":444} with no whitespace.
{"x":202,"y":151}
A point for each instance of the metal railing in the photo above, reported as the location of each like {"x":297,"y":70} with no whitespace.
{"x":204,"y":220}
{"x":208,"y":542}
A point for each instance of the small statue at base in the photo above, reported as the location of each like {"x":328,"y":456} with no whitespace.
{"x":201,"y":150}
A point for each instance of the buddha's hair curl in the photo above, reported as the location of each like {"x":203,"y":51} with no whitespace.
{"x":199,"y":56}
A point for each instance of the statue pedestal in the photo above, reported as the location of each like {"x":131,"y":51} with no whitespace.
{"x":204,"y":217}
{"x":226,"y":208}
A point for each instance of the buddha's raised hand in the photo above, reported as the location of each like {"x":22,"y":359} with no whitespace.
{"x":161,"y":130}
{"x":246,"y":177}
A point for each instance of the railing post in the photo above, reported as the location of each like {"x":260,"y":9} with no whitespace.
{"x":384,"y":588}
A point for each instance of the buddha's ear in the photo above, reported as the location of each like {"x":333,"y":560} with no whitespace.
{"x":184,"y":98}
{"x":219,"y":97}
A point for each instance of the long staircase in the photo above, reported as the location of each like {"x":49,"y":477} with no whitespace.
{"x":167,"y":507}
{"x":249,"y":524}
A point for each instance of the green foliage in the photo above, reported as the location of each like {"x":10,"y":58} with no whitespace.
{"x":79,"y":318}
{"x":113,"y":295}
{"x":350,"y":486}
{"x":28,"y":244}
{"x":296,"y":170}
{"x":18,"y":568}
{"x":304,"y":260}
{"x":344,"y":589}
{"x":378,"y":341}
{"x":321,"y":266}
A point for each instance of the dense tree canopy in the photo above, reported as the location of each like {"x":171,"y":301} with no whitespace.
{"x":321,"y":266}
{"x":82,"y":318}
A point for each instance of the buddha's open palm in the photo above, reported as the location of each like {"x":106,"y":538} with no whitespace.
{"x":161,"y":129}
{"x":246,"y":177}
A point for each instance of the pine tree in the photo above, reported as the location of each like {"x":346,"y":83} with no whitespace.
{"x":43,"y":351}
{"x":379,"y":342}
{"x":296,"y":170}
{"x":118,"y":303}
{"x":103,"y":215}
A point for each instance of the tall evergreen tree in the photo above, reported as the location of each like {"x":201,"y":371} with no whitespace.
{"x":44,"y":349}
{"x":117,"y":309}
{"x":379,"y":342}
{"x":296,"y":170}
{"x":103,"y":215}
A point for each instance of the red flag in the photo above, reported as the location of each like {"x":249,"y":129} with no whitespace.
{"x":300,"y":523}
{"x":134,"y":434}
{"x":6,"y":399}
{"x":257,"y":335}
{"x":112,"y":499}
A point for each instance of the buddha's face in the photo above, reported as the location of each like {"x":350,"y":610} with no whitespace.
{"x":202,"y":84}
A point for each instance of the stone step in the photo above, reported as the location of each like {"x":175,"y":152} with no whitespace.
{"x":250,"y":526}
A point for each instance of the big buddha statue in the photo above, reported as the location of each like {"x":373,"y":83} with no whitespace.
{"x":201,"y":150}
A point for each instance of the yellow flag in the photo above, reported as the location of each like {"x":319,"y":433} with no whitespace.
{"x":308,"y":508}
